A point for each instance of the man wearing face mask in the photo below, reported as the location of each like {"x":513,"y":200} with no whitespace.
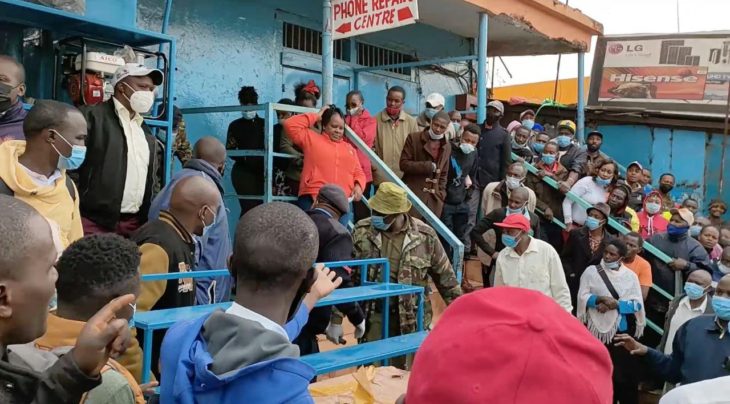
{"x":721,"y":267}
{"x":462,"y":169}
{"x":530,"y":263}
{"x":458,"y":123}
{"x":666,"y":185}
{"x":701,"y":347}
{"x":167,"y":244}
{"x":415,"y":254}
{"x":694,"y":302}
{"x":516,"y":205}
{"x":495,"y":148}
{"x":213,"y":250}
{"x":117,"y":179}
{"x":435,"y":103}
{"x":571,"y":155}
{"x":527,"y":119}
{"x":12,"y":87}
{"x":688,"y":255}
{"x":425,"y":163}
{"x":34,"y":170}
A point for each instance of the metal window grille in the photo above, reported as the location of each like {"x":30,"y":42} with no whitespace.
{"x":310,"y":40}
{"x":370,"y":55}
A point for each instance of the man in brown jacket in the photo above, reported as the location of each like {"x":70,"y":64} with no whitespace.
{"x":394,"y":126}
{"x":425,"y":163}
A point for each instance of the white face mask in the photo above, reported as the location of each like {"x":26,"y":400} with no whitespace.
{"x":353,"y":111}
{"x":141,"y":101}
{"x":467,"y":148}
{"x":513,"y":182}
{"x":249,"y":115}
{"x":723,"y":268}
{"x":434,"y":136}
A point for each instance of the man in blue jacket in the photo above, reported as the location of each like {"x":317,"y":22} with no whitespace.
{"x":245,"y":354}
{"x":214,"y":247}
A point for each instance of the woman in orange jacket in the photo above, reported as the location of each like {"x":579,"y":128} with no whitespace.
{"x":328,"y":159}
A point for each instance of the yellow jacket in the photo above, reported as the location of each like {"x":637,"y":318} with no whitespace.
{"x":53,"y":202}
{"x":389,"y":141}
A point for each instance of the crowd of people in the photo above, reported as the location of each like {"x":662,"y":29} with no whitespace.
{"x":561,"y":232}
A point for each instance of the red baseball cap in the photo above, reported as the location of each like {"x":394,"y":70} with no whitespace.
{"x":516,"y":221}
{"x":509,"y":345}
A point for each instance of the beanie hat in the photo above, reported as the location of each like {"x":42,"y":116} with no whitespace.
{"x":508,"y":345}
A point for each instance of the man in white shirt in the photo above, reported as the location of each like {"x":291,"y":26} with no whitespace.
{"x":529,"y":263}
{"x":693,"y":303}
{"x":712,"y":391}
{"x":121,"y":169}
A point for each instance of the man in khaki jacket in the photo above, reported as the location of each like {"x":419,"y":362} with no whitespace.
{"x":394,"y":126}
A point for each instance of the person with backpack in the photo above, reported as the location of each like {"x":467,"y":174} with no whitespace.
{"x":34,"y":170}
{"x":91,"y":272}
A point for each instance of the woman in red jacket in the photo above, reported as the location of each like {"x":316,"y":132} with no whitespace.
{"x":328,"y":159}
{"x":364,"y":125}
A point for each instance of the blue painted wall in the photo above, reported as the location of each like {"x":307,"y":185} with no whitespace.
{"x":694,"y":157}
{"x":225,"y":44}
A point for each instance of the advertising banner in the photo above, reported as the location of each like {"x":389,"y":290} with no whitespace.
{"x":357,"y":17}
{"x":678,"y":73}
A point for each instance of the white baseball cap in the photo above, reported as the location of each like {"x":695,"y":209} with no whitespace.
{"x":436,"y":100}
{"x":137,"y":70}
{"x":496,"y":104}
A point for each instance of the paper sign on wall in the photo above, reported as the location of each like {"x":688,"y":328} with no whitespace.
{"x":357,"y":17}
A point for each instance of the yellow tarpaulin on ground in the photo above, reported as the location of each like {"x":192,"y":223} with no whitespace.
{"x":368,"y":385}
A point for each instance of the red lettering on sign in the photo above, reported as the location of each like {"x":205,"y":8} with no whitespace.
{"x":405,"y":14}
{"x":350,"y":9}
{"x":380,"y":4}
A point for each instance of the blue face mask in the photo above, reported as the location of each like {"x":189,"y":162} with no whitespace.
{"x":207,"y":227}
{"x":518,"y":211}
{"x":456,"y":126}
{"x":378,"y":222}
{"x":430,"y":112}
{"x":592,"y":223}
{"x":528,"y":123}
{"x":548,"y":159}
{"x":510,"y":241}
{"x":721,"y":305}
{"x":78,"y":154}
{"x":695,"y":230}
{"x":603,"y":182}
{"x":673,"y":230}
{"x":693,"y":290}
{"x":538,"y":147}
{"x":563,"y":141}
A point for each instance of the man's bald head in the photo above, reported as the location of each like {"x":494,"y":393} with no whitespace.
{"x":211,"y":150}
{"x":25,"y":233}
{"x":12,"y":68}
{"x":700,"y":277}
{"x":195,"y":201}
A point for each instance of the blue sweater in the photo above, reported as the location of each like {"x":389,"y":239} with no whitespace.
{"x":211,"y":251}
{"x":700,"y":349}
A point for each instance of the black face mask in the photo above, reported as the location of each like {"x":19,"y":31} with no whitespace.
{"x":5,"y":102}
{"x":493,"y":117}
{"x":301,"y":292}
{"x":593,"y":148}
{"x":665,"y":188}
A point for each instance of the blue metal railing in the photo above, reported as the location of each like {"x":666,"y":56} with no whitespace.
{"x":268,"y":154}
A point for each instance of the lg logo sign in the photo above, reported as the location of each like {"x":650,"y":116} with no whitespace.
{"x":616,"y":48}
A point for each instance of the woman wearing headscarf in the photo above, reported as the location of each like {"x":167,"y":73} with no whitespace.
{"x":610,"y":302}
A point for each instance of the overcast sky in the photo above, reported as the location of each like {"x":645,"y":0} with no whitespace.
{"x":620,"y":17}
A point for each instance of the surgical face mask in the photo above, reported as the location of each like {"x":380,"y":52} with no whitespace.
{"x":528,"y":123}
{"x":723,"y":268}
{"x":695,"y":230}
{"x":353,"y":111}
{"x":615,"y":265}
{"x":520,"y":210}
{"x":592,"y":223}
{"x":693,"y":290}
{"x":510,"y":241}
{"x":430,"y":112}
{"x":563,"y":141}
{"x":513,"y":182}
{"x":516,"y":145}
{"x":673,"y":230}
{"x":548,"y":159}
{"x":140,"y":101}
{"x":434,"y":136}
{"x":456,"y":126}
{"x":248,"y":115}
{"x":721,"y":305}
{"x":538,"y":147}
{"x":653,"y":208}
{"x":603,"y":182}
{"x":467,"y":148}
{"x":378,"y":223}
{"x":78,"y":154}
{"x":207,"y":227}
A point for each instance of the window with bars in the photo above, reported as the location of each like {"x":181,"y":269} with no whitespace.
{"x":310,"y":41}
{"x":370,"y":55}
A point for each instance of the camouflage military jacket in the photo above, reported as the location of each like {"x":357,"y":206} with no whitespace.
{"x":422,"y":256}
